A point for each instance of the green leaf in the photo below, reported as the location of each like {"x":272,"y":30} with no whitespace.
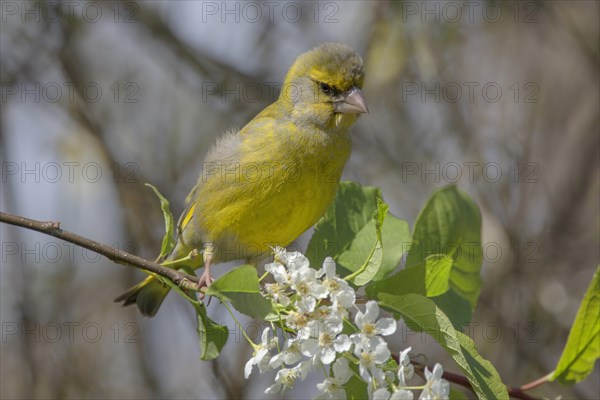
{"x":450,"y":224}
{"x":437,"y":274}
{"x":368,"y":271}
{"x":489,"y":384}
{"x":168,"y":242}
{"x":395,"y":238}
{"x":372,"y":266}
{"x":457,"y":394}
{"x":356,"y":388}
{"x":408,"y":280}
{"x":347,"y":232}
{"x":456,"y":308}
{"x":240,"y":287}
{"x":435,"y":271}
{"x":583,"y":345}
{"x":422,"y":315}
{"x":432,"y":278}
{"x":212,"y":335}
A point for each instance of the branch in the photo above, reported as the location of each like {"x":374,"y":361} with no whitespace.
{"x":183,"y":280}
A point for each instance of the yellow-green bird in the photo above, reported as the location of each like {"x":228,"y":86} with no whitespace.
{"x":267,"y":183}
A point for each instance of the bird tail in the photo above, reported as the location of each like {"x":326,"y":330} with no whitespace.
{"x":148,"y":295}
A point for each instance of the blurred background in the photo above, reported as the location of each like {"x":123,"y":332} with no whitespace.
{"x":99,"y":97}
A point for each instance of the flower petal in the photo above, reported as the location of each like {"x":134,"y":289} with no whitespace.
{"x":386,"y":326}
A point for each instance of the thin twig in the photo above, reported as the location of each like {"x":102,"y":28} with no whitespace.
{"x":183,"y":280}
{"x":537,"y":382}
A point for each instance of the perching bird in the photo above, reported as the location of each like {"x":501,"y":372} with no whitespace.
{"x":267,"y":183}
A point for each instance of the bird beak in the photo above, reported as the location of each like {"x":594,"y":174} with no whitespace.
{"x":353,"y":103}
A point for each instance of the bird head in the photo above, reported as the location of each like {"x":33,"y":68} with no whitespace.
{"x":323,"y":87}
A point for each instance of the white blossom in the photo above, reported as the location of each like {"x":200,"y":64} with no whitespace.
{"x":308,"y":289}
{"x":287,"y":377}
{"x":260,"y":354}
{"x":370,"y":354}
{"x":436,"y":388}
{"x":277,"y":292}
{"x":293,"y":260}
{"x":298,"y":320}
{"x":313,"y":305}
{"x":325,"y":341}
{"x":291,"y":354}
{"x":367,"y":325}
{"x":333,"y":387}
{"x":405,"y":370}
{"x":279,"y":272}
{"x":341,"y":293}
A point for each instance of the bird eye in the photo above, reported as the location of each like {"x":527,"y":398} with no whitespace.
{"x":325,"y":88}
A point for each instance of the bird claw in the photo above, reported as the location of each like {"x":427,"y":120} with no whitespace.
{"x":205,"y":281}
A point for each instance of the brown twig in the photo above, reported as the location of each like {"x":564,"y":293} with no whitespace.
{"x":183,"y":280}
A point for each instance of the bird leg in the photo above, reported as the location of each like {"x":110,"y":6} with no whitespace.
{"x":206,"y":278}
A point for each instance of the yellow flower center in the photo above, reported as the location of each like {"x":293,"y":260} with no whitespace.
{"x":298,"y":320}
{"x":369,"y":329}
{"x":303,"y":289}
{"x":332,"y":285}
{"x":366,"y":358}
{"x":325,"y":339}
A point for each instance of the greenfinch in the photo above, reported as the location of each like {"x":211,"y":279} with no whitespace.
{"x":266,"y":184}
